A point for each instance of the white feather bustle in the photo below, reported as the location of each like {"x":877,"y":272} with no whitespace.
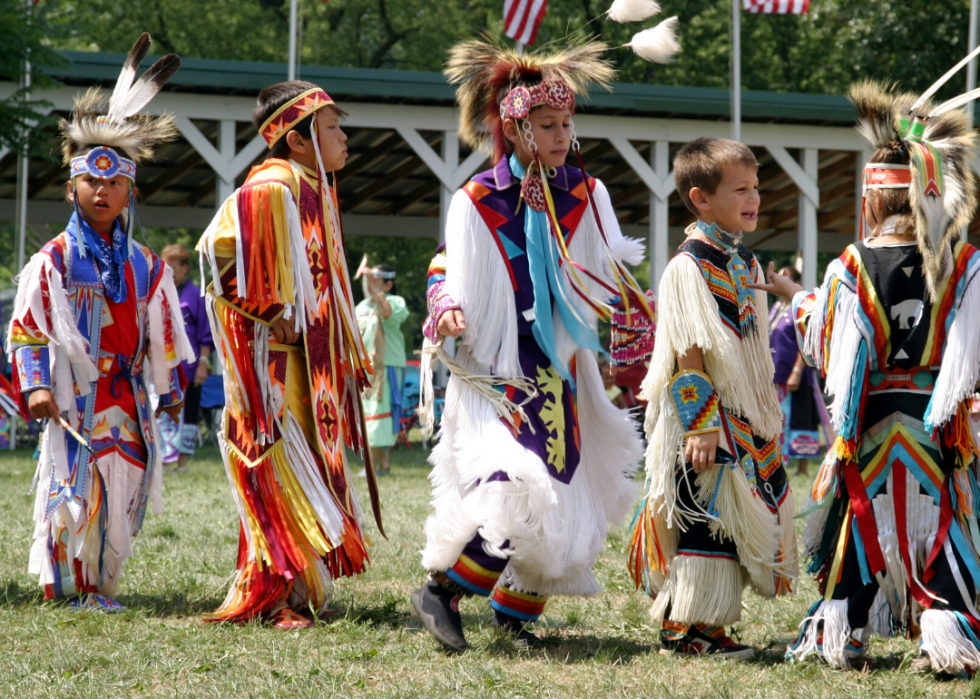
{"x":657,"y":44}
{"x":555,"y":531}
{"x":632,"y":10}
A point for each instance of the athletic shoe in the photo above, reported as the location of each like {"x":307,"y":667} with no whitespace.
{"x":438,"y":608}
{"x":710,"y":642}
{"x":517,"y":629}
{"x":93,"y":602}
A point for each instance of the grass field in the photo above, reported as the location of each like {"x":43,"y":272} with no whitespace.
{"x":374,"y":646}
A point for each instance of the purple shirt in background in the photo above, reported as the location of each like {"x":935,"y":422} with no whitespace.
{"x":195,"y":323}
{"x":782,"y":339}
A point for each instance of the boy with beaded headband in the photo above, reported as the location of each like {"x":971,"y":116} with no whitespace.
{"x":96,"y":321}
{"x":282,"y":315}
{"x":533,"y":460}
{"x":718,"y":513}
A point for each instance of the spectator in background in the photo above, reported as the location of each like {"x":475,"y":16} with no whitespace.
{"x":804,"y":412}
{"x":614,"y":392}
{"x":180,"y":438}
{"x":379,"y":316}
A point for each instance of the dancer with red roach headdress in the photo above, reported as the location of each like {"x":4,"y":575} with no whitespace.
{"x":534,"y":462}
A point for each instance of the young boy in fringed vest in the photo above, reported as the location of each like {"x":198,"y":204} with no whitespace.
{"x":718,"y":514}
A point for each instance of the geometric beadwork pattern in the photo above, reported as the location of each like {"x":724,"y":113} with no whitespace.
{"x":696,"y":402}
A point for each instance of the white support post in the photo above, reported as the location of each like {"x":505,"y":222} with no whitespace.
{"x":225,"y":163}
{"x":226,"y":145}
{"x":808,"y":219}
{"x":450,"y":162}
{"x":658,"y":248}
{"x":861,"y":159}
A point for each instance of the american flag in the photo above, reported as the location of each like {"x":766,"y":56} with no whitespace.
{"x":777,"y":7}
{"x":522,"y":17}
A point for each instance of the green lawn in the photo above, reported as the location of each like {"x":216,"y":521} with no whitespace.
{"x":374,"y":646}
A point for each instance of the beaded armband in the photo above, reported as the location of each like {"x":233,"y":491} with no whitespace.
{"x":696,"y":402}
{"x":631,"y":339}
{"x":438,"y":302}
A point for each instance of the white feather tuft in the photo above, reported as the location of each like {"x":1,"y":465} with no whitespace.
{"x":632,"y":10}
{"x":658,"y":44}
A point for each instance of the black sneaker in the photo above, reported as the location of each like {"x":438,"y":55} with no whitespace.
{"x":517,"y":629}
{"x":698,"y":643}
{"x":438,"y":608}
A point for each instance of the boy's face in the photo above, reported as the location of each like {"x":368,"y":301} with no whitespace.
{"x":552,"y":129}
{"x":100,"y":200}
{"x":735,"y":204}
{"x":332,"y":140}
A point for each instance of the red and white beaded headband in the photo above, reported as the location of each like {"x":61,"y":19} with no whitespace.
{"x":553,"y":91}
{"x":293,"y":112}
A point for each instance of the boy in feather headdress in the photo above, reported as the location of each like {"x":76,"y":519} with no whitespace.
{"x":718,"y":514}
{"x":892,"y":533}
{"x":282,"y":315}
{"x":533,"y":462}
{"x":96,"y":322}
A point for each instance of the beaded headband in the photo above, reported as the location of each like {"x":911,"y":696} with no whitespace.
{"x":553,"y":91}
{"x":887,"y":176}
{"x":293,"y":112}
{"x":378,"y":274}
{"x":103,"y":162}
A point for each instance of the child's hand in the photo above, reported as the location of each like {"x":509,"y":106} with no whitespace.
{"x":701,"y":449}
{"x":778,"y":284}
{"x":285,"y":332}
{"x":41,"y":404}
{"x":451,"y":324}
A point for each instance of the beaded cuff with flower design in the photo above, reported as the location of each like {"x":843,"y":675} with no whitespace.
{"x":632,"y":338}
{"x":696,"y":402}
{"x":438,"y":302}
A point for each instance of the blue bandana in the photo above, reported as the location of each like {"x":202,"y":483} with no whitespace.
{"x":549,"y":287}
{"x":110,"y":256}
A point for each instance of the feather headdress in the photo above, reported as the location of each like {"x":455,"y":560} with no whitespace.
{"x":486,"y":72}
{"x":113,"y":121}
{"x":938,"y":142}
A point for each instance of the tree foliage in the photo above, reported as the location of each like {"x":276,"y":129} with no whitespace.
{"x":24,"y":34}
{"x":838,"y":42}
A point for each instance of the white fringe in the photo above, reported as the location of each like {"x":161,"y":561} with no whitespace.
{"x":745,"y":518}
{"x":72,"y":370}
{"x":156,"y":356}
{"x":836,"y":632}
{"x":960,"y":370}
{"x":741,"y":370}
{"x":948,"y":648}
{"x":701,"y":591}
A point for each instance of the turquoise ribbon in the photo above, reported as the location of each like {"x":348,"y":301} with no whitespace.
{"x":550,"y":287}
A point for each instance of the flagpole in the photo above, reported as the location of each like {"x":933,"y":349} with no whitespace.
{"x":293,"y":14}
{"x":520,"y":48}
{"x":23,"y":163}
{"x":737,"y":70}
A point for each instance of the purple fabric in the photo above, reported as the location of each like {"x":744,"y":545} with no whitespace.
{"x":195,"y":323}
{"x":782,"y":339}
{"x":547,"y":440}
